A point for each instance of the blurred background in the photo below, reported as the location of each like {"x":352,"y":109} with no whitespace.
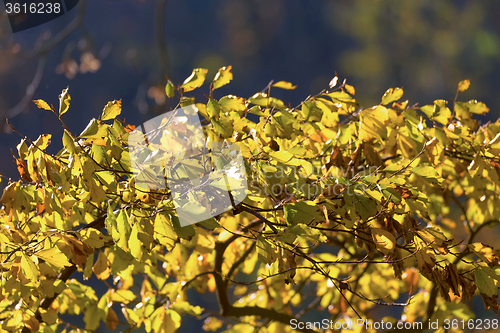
{"x":124,"y":49}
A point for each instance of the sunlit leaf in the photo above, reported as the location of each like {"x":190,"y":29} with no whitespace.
{"x":64,"y":101}
{"x":463,"y":85}
{"x":392,"y":95}
{"x":195,"y":80}
{"x":41,"y":104}
{"x":170,"y":89}
{"x":223,"y":77}
{"x":284,"y":85}
{"x":384,"y":240}
{"x":54,"y":257}
{"x":112,"y":110}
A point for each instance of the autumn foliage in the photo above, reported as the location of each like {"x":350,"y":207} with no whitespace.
{"x":348,"y":208}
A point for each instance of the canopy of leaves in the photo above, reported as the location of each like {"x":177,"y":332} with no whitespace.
{"x":347,"y":206}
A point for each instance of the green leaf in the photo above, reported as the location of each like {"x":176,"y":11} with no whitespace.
{"x":112,"y":110}
{"x":484,"y":282}
{"x":363,"y":206}
{"x":392,"y":95}
{"x":213,"y":109}
{"x":41,"y":104}
{"x":195,"y":80}
{"x":183,"y":232}
{"x":223,"y":127}
{"x":284,"y":85}
{"x":170,"y":89}
{"x":302,"y":212}
{"x":64,"y":100}
{"x":223,"y":77}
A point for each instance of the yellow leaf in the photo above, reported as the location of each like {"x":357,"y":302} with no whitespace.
{"x":373,"y":123}
{"x":41,"y":104}
{"x":123,"y":296}
{"x":350,"y":89}
{"x":163,"y":232}
{"x":284,"y":85}
{"x":384,"y":240}
{"x":487,"y":253}
{"x":93,"y":237}
{"x":168,"y":321}
{"x":134,"y":244}
{"x":101,"y":267}
{"x":463,"y":85}
{"x":29,"y":268}
{"x":64,"y":100}
{"x":212,"y":324}
{"x":54,"y":257}
{"x":112,"y":110}
{"x":223,"y":77}
{"x":195,"y":80}
{"x":43,"y":141}
{"x":392,"y":95}
{"x":131,"y":316}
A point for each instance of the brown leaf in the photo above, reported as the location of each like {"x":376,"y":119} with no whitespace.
{"x":23,"y":170}
{"x":453,"y":278}
{"x":441,"y":284}
{"x":372,"y":157}
{"x":491,"y":302}
{"x":468,"y":289}
{"x":112,"y":319}
{"x":405,"y":193}
{"x":411,"y":279}
{"x":274,"y":145}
